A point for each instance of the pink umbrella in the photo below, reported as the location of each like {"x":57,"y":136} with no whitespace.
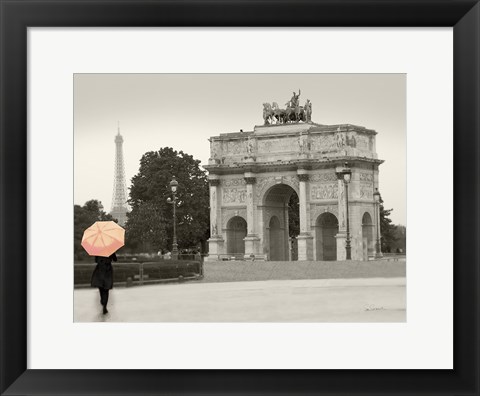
{"x":103,"y":238}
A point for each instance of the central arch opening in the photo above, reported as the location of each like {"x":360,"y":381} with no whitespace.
{"x":281,"y":217}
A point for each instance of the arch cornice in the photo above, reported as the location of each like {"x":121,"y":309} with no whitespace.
{"x":317,"y":210}
{"x":264,"y":184}
{"x":229,"y":214}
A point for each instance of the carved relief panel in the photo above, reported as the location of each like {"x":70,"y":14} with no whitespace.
{"x":251,"y":146}
{"x":323,"y":191}
{"x":324,"y":142}
{"x":324,"y":177}
{"x":304,"y":143}
{"x":346,"y":139}
{"x":366,"y":190}
{"x":276,"y":145}
{"x":366,"y":177}
{"x":234,"y":147}
{"x":234,"y":192}
{"x":323,"y":186}
{"x":363,"y":142}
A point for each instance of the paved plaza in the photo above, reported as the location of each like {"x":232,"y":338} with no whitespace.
{"x":310,"y":300}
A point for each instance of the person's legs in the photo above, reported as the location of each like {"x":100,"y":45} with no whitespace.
{"x":103,"y":298}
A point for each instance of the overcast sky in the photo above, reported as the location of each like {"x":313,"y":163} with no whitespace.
{"x":183,"y":110}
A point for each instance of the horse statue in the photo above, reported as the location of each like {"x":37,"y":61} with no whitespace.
{"x":294,"y":114}
{"x":299,"y":114}
{"x":278,"y":113}
{"x":267,"y":113}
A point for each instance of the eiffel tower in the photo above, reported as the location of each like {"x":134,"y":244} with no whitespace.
{"x":119,"y":200}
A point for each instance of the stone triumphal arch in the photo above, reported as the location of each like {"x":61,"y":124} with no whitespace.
{"x":254,"y":174}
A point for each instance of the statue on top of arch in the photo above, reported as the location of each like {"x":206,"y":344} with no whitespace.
{"x":293,"y":113}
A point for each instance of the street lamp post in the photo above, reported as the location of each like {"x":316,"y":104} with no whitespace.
{"x":346,"y":174}
{"x":378,"y":199}
{"x":173,"y":186}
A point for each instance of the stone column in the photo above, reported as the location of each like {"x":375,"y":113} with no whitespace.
{"x":305,"y":240}
{"x":303,"y":178}
{"x":342,"y":224}
{"x":215,"y":243}
{"x":250,"y":181}
{"x":214,"y":183}
{"x":251,"y":240}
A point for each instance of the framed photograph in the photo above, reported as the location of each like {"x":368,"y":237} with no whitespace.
{"x":290,"y":149}
{"x":293,"y":285}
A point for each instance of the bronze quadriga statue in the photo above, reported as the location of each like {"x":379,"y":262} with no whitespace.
{"x":273,"y":114}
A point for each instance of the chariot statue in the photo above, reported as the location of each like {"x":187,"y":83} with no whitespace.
{"x":293,"y":113}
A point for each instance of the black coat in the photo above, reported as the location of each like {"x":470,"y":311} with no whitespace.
{"x":103,"y":273}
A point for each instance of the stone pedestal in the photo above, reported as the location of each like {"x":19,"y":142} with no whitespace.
{"x":215,"y":248}
{"x":252,"y":246}
{"x":341,"y":242}
{"x":305,"y":247}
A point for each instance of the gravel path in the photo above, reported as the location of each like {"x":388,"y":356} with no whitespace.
{"x":316,"y":300}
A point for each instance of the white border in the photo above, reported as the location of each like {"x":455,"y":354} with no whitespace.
{"x":425,"y":341}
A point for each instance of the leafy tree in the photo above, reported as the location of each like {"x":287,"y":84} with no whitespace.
{"x":83,"y":217}
{"x":387,"y":230}
{"x":145,"y":229}
{"x":401,"y":239}
{"x":150,"y":190}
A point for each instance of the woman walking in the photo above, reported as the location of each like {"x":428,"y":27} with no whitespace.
{"x":102,"y":278}
{"x":102,"y":239}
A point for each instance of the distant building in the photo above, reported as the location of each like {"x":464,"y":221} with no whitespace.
{"x":119,"y":200}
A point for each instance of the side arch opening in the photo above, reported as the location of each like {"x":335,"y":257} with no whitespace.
{"x":236,"y":232}
{"x":326,"y":229}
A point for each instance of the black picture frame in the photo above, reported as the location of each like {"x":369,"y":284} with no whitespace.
{"x":18,"y":15}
